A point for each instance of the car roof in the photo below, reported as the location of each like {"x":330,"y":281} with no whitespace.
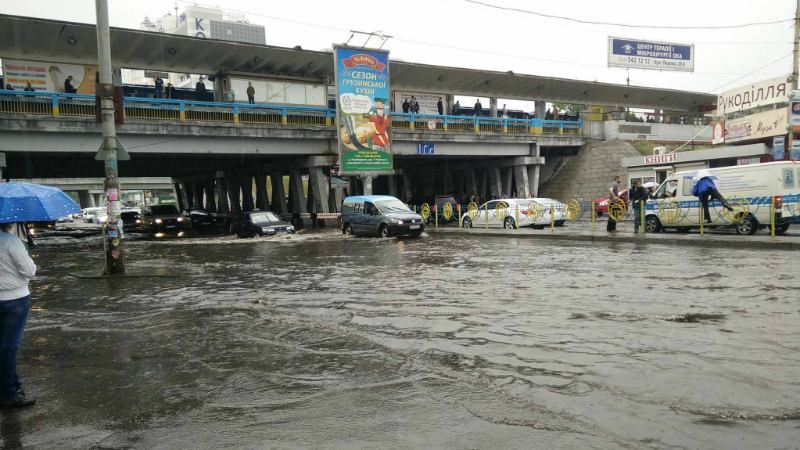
{"x":369,"y":198}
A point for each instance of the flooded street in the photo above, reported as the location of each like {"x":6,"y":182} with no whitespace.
{"x":321,"y":341}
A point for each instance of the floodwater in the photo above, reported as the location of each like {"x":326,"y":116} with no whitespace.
{"x":325,"y":341}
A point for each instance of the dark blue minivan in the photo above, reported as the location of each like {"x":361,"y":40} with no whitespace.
{"x":379,"y":215}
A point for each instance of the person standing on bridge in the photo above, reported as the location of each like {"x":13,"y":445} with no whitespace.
{"x":68,"y":88}
{"x":478,"y":107}
{"x":171,"y":93}
{"x":16,"y":271}
{"x":251,"y":93}
{"x":200,"y":89}
{"x":159,"y":83}
{"x":457,"y":108}
{"x":414,"y":105}
{"x":440,"y":106}
{"x":406,"y":106}
{"x":28,"y":87}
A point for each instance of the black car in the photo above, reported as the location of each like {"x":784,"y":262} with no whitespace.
{"x":259,"y":223}
{"x":162,"y":220}
{"x":132,"y":220}
{"x":200,"y":219}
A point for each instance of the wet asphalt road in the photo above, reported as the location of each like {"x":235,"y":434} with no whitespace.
{"x":321,"y":341}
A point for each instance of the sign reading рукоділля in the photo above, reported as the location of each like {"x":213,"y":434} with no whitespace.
{"x":362,"y":110}
{"x":635,"y":54}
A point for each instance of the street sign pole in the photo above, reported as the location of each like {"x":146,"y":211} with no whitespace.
{"x":115,"y":256}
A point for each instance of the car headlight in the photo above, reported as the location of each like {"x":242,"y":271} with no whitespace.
{"x":157,"y":221}
{"x":397,"y":221}
{"x":138,"y":221}
{"x":291,"y":228}
{"x":180,"y":219}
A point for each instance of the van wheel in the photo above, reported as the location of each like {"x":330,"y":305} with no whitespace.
{"x":508,"y":224}
{"x":383,"y":231}
{"x":652,"y":224}
{"x":347,"y":229}
{"x":466,"y":223}
{"x":747,"y":226}
{"x":780,"y":229}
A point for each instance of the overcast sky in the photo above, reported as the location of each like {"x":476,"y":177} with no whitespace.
{"x":459,"y":33}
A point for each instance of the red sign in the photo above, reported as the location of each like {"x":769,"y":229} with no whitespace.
{"x":363,"y":60}
{"x":660,"y":159}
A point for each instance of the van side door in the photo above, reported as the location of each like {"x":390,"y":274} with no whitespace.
{"x":372,"y":218}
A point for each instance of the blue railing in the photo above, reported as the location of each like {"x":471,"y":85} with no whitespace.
{"x":140,"y":108}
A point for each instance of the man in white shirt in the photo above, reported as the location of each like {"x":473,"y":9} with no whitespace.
{"x":16,"y":270}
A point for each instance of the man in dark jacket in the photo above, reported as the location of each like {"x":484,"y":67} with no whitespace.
{"x":406,"y":106}
{"x":637,"y":195}
{"x":68,"y":88}
{"x":478,"y":108}
{"x":159,"y":84}
{"x":440,"y":106}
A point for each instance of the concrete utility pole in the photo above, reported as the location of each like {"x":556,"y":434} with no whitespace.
{"x":796,"y":52}
{"x":115,"y":256}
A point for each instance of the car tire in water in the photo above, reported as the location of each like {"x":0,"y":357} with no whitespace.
{"x":747,"y":226}
{"x":508,"y":224}
{"x":416,"y":234}
{"x":347,"y":229}
{"x":466,"y":223}
{"x":652,"y":224}
{"x":383,"y":231}
{"x":780,"y":229}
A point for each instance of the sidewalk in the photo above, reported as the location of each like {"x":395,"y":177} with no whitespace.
{"x":582,"y":231}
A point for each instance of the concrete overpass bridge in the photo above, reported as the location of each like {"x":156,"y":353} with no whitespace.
{"x":219,"y":153}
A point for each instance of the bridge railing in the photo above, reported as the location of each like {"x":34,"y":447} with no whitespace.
{"x":151,"y":109}
{"x":46,"y":104}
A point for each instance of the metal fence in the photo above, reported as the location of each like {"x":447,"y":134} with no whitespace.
{"x":152,"y":109}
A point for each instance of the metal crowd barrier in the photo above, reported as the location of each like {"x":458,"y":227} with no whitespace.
{"x":46,"y":104}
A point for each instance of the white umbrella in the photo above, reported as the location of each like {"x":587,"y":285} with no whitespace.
{"x":650,"y":184}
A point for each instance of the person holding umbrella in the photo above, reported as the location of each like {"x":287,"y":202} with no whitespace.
{"x":16,"y":271}
{"x":20,"y":203}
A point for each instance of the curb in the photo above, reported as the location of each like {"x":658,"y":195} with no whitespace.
{"x":782,"y":243}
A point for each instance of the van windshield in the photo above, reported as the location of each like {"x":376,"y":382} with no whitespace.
{"x":391,"y":206}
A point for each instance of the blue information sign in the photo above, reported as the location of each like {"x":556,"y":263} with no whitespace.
{"x":426,"y":148}
{"x":631,"y":53}
{"x":795,"y":153}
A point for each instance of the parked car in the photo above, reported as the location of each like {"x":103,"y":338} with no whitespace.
{"x":511,"y":213}
{"x":259,"y":223}
{"x":379,"y":215}
{"x":601,"y":203}
{"x":162,"y":220}
{"x":95,"y":215}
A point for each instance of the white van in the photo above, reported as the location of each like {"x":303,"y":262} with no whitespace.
{"x":749,"y":189}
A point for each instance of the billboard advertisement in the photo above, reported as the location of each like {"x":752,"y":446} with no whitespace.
{"x":362,"y":111}
{"x":428,"y":103}
{"x":757,"y":126}
{"x":636,"y":54}
{"x":795,"y":116}
{"x":763,"y":93}
{"x":49,"y":76}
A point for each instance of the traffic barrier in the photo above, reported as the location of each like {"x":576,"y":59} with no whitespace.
{"x":669,"y":211}
{"x":573,"y":210}
{"x":425,"y":211}
{"x":740,"y":208}
{"x":617,"y":210}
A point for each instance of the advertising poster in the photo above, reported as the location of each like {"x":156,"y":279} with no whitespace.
{"x":362,"y":110}
{"x":636,"y":54}
{"x":757,"y":126}
{"x":795,"y":119}
{"x":49,"y":76}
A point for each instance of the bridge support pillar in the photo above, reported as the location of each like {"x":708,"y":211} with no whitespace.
{"x":188,"y":194}
{"x":247,"y":193}
{"x":522,"y":184}
{"x":262,"y":202}
{"x":278,"y":192}
{"x":495,"y":182}
{"x":198,"y":188}
{"x":483,"y":187}
{"x":234,"y":193}
{"x":508,"y":175}
{"x":222,"y":193}
{"x":471,"y":182}
{"x":319,"y":186}
{"x":86,"y":199}
{"x":211,"y":204}
{"x":296,"y":195}
{"x":493,"y":106}
{"x":407,"y":184}
{"x":391,"y":181}
{"x":179,"y":194}
{"x":540,"y":107}
{"x":533,"y":179}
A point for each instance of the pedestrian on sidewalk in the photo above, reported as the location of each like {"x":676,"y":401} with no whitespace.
{"x":16,"y":271}
{"x":159,"y":86}
{"x":613,"y":197}
{"x":637,"y":195}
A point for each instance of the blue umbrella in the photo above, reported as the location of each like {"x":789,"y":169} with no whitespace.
{"x":26,"y":202}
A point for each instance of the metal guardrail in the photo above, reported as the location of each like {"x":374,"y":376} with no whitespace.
{"x":152,"y":109}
